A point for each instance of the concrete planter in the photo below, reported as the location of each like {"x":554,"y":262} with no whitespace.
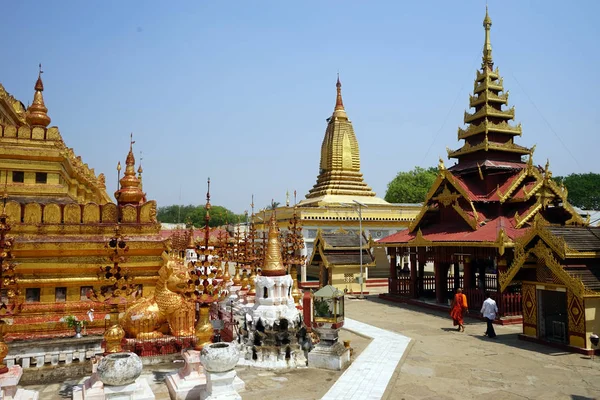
{"x":219,"y":357}
{"x":118,"y":369}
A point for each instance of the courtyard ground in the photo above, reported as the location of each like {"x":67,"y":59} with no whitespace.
{"x":440,"y":363}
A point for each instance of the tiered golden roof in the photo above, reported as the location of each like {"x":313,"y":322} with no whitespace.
{"x":339,"y":172}
{"x":489,"y":135}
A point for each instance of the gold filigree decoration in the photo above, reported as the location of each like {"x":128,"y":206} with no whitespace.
{"x":529,"y":304}
{"x":419,"y":240}
{"x":545,"y":254}
{"x":446,"y":197}
{"x":576,"y":313}
{"x":109,"y":213}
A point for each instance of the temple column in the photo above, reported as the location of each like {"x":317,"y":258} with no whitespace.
{"x":393,"y":286}
{"x":440,"y":281}
{"x":414,"y":277}
{"x":456,"y":276}
{"x":467,"y":274}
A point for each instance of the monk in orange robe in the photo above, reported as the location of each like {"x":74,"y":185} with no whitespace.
{"x":458,"y":309}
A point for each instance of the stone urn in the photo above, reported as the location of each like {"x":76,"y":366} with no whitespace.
{"x":119,"y":369}
{"x":219,"y":357}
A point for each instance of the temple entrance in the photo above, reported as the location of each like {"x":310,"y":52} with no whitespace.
{"x":552,"y":316}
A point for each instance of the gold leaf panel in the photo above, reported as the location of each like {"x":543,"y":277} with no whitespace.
{"x":91,"y":213}
{"x":52,"y":214}
{"x":33,"y":213}
{"x":72,"y":214}
{"x":109,"y":213}
{"x":129,"y":214}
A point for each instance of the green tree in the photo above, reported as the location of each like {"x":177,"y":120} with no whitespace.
{"x":411,"y":186}
{"x":584,"y":189}
{"x":219,"y":215}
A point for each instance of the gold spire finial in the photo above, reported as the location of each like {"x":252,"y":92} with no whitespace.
{"x":130,"y":191}
{"x":37,"y":113}
{"x":487,"y":46}
{"x":339,"y":111}
{"x":273,"y":261}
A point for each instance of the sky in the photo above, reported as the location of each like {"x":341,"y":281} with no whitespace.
{"x":239,"y":91}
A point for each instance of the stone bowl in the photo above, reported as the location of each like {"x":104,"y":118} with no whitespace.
{"x":219,"y":357}
{"x":119,"y":369}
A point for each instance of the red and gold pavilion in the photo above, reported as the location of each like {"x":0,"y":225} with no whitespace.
{"x":477,"y":208}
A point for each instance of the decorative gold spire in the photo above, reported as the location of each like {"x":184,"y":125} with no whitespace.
{"x":339,"y":111}
{"x":487,"y":46}
{"x":339,"y":172}
{"x":37,"y":111}
{"x":489,"y":134}
{"x":130,"y":191}
{"x":273,"y":262}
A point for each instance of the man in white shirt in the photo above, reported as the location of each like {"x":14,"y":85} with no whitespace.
{"x":489,"y":311}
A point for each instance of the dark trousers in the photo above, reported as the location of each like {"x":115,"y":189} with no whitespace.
{"x":490,"y":328}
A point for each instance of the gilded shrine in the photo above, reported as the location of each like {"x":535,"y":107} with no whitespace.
{"x":62,"y":217}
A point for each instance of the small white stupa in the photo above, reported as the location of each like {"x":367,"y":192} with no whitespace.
{"x":272,"y":340}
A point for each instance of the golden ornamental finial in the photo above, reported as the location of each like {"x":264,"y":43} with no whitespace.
{"x":339,"y":111}
{"x":37,"y":113}
{"x":441,"y":165}
{"x":119,"y":166}
{"x":487,"y":46}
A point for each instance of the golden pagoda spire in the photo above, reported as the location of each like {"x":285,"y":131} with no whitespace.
{"x":37,"y":111}
{"x":273,"y":262}
{"x":489,"y":134}
{"x":339,"y":111}
{"x":130,"y":191}
{"x":487,"y":46}
{"x":339,"y":169}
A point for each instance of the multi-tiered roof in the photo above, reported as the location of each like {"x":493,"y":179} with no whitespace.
{"x":489,"y":135}
{"x":492,"y":192}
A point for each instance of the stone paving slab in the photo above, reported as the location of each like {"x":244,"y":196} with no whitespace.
{"x":368,"y":376}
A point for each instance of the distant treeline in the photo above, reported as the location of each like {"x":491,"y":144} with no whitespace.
{"x":182,"y":214}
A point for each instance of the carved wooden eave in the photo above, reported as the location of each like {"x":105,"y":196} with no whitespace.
{"x":419,"y":240}
{"x":486,"y":126}
{"x":12,"y":111}
{"x":471,"y":221}
{"x":487,"y":145}
{"x":517,"y":182}
{"x":444,"y":197}
{"x":544,"y":253}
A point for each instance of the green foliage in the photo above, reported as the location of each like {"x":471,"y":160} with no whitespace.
{"x":322,"y":308}
{"x":182,"y":214}
{"x":411,"y":186}
{"x":584,"y":189}
{"x":72,"y":321}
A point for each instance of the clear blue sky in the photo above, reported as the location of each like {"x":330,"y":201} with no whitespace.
{"x":239,"y":90}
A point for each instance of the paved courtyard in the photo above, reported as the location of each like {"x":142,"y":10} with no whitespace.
{"x":439,"y":363}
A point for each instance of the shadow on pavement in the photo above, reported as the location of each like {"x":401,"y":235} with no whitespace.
{"x":512,"y":340}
